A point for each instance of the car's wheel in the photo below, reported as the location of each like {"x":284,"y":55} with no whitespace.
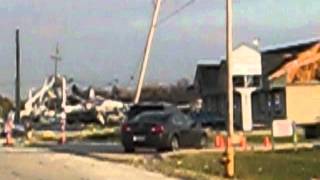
{"x":129,"y":149}
{"x":203,"y":142}
{"x":174,"y":143}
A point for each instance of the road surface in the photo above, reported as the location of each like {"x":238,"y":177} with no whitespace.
{"x":52,"y":166}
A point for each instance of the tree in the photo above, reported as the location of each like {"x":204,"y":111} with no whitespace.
{"x":6,"y":105}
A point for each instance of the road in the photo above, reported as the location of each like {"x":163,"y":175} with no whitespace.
{"x":52,"y":166}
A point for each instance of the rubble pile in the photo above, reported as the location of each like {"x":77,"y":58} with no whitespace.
{"x":56,"y":97}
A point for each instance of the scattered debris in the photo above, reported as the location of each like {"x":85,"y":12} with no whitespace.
{"x":56,"y":97}
{"x":304,"y":68}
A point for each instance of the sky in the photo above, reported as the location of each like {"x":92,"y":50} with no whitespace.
{"x":104,"y":40}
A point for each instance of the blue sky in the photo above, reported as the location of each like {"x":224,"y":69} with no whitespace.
{"x":103,"y":40}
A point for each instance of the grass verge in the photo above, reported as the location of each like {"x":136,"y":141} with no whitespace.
{"x":303,"y":164}
{"x":111,"y":134}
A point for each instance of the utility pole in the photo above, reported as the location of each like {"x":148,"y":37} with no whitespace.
{"x":229,"y":46}
{"x":56,"y":58}
{"x":147,"y":51}
{"x":18,"y":103}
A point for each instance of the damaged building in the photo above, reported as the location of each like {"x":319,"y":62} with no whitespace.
{"x":257,"y":99}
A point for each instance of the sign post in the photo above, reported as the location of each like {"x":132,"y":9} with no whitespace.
{"x":295,"y":136}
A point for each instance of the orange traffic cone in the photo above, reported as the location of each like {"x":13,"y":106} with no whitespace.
{"x":222,"y":142}
{"x":243,"y":142}
{"x":266,"y":142}
{"x":217,"y":141}
{"x":9,"y":140}
{"x":8,"y":130}
{"x":63,"y":138}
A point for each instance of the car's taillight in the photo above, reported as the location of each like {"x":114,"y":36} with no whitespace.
{"x":157,"y":129}
{"x":126,"y":128}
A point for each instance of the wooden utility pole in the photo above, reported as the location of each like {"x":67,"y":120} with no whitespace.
{"x":147,"y":51}
{"x":18,"y":103}
{"x":229,"y":46}
{"x":56,"y":58}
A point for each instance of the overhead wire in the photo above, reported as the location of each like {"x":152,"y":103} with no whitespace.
{"x":176,"y":12}
{"x":136,"y":70}
{"x":134,"y":74}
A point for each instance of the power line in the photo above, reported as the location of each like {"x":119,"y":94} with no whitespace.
{"x":177,"y":11}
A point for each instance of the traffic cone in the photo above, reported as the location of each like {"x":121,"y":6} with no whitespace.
{"x":8,"y":130}
{"x":243,"y":142}
{"x":63,"y":138}
{"x":222,"y":142}
{"x":266,"y":142}
{"x":9,"y":140}
{"x":217,"y":141}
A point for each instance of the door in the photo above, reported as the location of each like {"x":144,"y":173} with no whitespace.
{"x":194,"y":131}
{"x":183,"y":129}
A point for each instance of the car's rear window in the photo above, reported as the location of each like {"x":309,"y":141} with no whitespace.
{"x":151,"y":117}
{"x":139,"y":109}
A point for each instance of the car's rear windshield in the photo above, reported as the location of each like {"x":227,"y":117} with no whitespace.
{"x":151,"y":117}
{"x":139,"y":109}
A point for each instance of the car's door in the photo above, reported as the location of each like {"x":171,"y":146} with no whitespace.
{"x":194,"y":131}
{"x":182,"y":128}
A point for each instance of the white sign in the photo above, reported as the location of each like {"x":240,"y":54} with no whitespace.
{"x":282,"y":128}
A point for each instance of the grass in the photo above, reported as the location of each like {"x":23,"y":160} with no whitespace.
{"x":303,"y":164}
{"x":279,"y":165}
{"x":259,"y":139}
{"x":174,"y":168}
{"x":91,"y":133}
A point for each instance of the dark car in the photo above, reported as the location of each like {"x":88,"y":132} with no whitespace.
{"x":162,"y":130}
{"x":208,"y":119}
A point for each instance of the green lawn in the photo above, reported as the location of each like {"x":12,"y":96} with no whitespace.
{"x":279,"y":165}
{"x":92,"y":133}
{"x":249,"y":165}
{"x":259,"y":139}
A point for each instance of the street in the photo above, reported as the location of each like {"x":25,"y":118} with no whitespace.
{"x":44,"y":165}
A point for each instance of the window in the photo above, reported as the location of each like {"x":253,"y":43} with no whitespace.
{"x":181,"y":119}
{"x":254,"y":81}
{"x":178,"y":119}
{"x":238,"y":81}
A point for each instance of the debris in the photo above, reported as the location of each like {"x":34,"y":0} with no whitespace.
{"x":303,"y":69}
{"x":56,"y":96}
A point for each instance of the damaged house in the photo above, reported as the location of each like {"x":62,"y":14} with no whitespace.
{"x":257,"y":99}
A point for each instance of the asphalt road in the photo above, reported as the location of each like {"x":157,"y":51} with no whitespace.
{"x":53,"y":165}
